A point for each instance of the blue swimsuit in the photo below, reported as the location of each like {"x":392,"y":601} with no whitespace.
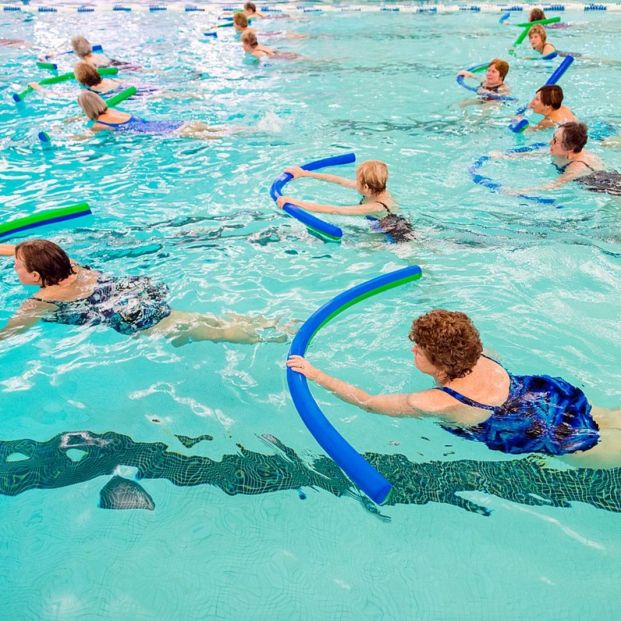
{"x":128,"y":305}
{"x":542,"y":414}
{"x":142,"y":126}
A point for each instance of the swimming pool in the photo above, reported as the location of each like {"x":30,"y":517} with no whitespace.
{"x":253,"y":521}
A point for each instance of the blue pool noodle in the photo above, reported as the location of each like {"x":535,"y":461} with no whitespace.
{"x":365,"y":476}
{"x":495,"y":186}
{"x":504,"y":17}
{"x":298,"y":213}
{"x":557,"y":74}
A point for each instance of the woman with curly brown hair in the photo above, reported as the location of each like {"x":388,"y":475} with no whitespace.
{"x":478,"y":399}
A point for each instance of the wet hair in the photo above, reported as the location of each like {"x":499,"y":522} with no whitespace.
{"x":449,"y":340}
{"x":374,"y":174}
{"x":536,"y":14}
{"x":250,"y":38}
{"x":551,"y":95}
{"x":92,"y":104}
{"x":240,"y":20}
{"x":86,"y":74}
{"x":502,"y":66}
{"x":250,"y":6}
{"x":46,"y":258}
{"x":540,"y":30}
{"x":575,"y":136}
{"x":81,"y":46}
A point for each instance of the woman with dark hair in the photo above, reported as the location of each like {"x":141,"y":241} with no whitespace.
{"x":548,"y":101}
{"x":478,"y":399}
{"x":574,"y":162}
{"x":76,"y":295}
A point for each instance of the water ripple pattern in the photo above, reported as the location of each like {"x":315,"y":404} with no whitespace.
{"x":542,"y":284}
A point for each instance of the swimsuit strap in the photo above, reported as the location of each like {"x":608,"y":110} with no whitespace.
{"x":581,"y":162}
{"x":384,"y":205}
{"x":465,"y":400}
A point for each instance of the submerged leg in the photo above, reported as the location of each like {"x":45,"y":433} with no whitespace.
{"x":183,"y":328}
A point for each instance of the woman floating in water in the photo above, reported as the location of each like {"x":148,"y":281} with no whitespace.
{"x":240,"y":24}
{"x":376,"y":202}
{"x":251,"y":46}
{"x":250,"y":10}
{"x":575,"y":163}
{"x":477,"y":399}
{"x":109,"y":119}
{"x":538,"y":40}
{"x":84,"y":50}
{"x":76,"y":295}
{"x":494,"y":83}
{"x":548,"y":102}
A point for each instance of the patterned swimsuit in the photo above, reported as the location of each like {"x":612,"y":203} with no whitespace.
{"x":542,"y":414}
{"x":127,"y":304}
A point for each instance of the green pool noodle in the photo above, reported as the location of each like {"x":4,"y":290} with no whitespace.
{"x":42,"y":218}
{"x":48,"y":66}
{"x":542,"y":22}
{"x":122,"y":96}
{"x":56,"y":79}
{"x":527,"y":26}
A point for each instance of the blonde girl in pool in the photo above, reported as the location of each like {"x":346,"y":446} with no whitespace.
{"x":371,"y":182}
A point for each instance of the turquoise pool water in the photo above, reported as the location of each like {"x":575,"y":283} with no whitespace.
{"x":253,"y":521}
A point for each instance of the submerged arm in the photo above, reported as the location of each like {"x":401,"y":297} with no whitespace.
{"x":390,"y":405}
{"x":353,"y":210}
{"x":28,"y":314}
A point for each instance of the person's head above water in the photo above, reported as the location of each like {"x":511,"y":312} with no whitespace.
{"x":41,"y":262}
{"x":250,"y":7}
{"x":537,"y":37}
{"x":86,"y":74}
{"x":81,"y":46}
{"x":447,"y":345}
{"x":249,"y":41}
{"x":547,"y":98}
{"x":536,"y":14}
{"x":497,"y":70}
{"x":92,"y":104}
{"x":240,"y":21}
{"x":372,"y":177}
{"x":569,"y":138}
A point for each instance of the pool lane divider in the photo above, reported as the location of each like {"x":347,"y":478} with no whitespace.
{"x":43,"y":218}
{"x":56,"y":79}
{"x":317,"y":227}
{"x":496,"y":186}
{"x":353,"y":464}
{"x":519,"y":125}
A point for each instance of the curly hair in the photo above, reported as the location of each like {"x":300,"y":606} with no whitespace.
{"x":449,"y":340}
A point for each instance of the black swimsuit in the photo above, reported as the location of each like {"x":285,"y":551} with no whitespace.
{"x":605,"y":181}
{"x":395,"y":227}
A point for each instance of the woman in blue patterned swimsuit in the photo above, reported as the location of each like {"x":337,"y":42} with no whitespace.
{"x":76,"y":295}
{"x":477,"y":399}
{"x":109,"y":119}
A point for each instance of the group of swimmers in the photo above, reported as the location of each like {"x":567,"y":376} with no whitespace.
{"x":571,"y":159}
{"x":474,"y":397}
